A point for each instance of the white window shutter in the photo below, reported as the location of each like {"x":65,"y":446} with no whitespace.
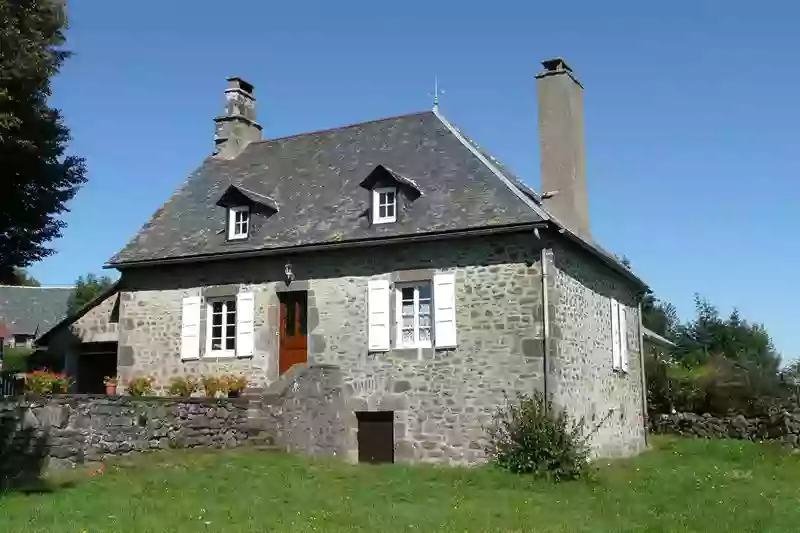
{"x":245,"y":314}
{"x":444,"y":311}
{"x":190,"y":328}
{"x":615,"y":346}
{"x":378,"y":315}
{"x":623,"y":339}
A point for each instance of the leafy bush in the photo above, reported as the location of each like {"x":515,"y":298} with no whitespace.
{"x":182,"y":386}
{"x":531,"y":436}
{"x":232,"y":383}
{"x":15,"y":359}
{"x":212,"y":385}
{"x":140,"y":386}
{"x":46,"y":382}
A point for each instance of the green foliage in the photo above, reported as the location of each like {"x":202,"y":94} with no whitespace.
{"x":182,"y":386}
{"x":212,"y":385}
{"x":734,"y":338}
{"x":38,"y":177}
{"x":87,"y":289}
{"x":46,"y":382}
{"x":531,"y":436}
{"x":140,"y":386}
{"x":21,"y":277}
{"x":15,"y":359}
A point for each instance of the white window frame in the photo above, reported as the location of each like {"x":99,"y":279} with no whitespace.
{"x":377,"y":203}
{"x":398,"y":317}
{"x":238,"y":229}
{"x":223,"y":352}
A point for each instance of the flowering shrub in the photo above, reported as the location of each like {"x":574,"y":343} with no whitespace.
{"x":110,"y":381}
{"x":182,"y":386}
{"x":141,"y":386}
{"x":46,"y":382}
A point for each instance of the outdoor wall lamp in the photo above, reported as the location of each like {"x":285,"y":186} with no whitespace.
{"x":287,"y":269}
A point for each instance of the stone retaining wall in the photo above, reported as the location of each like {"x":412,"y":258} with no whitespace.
{"x":783,"y":427}
{"x":302,"y":412}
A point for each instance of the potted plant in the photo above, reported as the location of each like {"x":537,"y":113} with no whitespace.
{"x":182,"y":386}
{"x":236,"y":384}
{"x":212,"y":385}
{"x":141,"y":386}
{"x":46,"y":382}
{"x":111,"y":385}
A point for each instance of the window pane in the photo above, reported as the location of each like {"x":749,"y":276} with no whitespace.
{"x":424,"y":320}
{"x":231,"y":319}
{"x":390,"y":197}
{"x":425,"y":291}
{"x":230,"y":343}
{"x":216,"y":307}
{"x":230,"y":331}
{"x":390,"y":210}
{"x":408,"y":322}
{"x":408,"y":337}
{"x":425,"y":334}
{"x":382,"y":211}
{"x":216,"y":319}
{"x":408,"y":294}
{"x":216,"y":344}
{"x":216,"y":332}
{"x":408,"y":309}
{"x":424,"y":308}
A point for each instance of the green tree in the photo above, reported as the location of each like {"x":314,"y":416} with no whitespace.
{"x":734,"y":338}
{"x":38,"y":177}
{"x":21,"y":277}
{"x":87,"y":289}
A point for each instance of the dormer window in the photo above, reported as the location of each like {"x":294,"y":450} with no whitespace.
{"x":238,"y":222}
{"x":384,"y":205}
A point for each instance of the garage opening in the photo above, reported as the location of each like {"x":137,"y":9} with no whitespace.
{"x":375,"y":436}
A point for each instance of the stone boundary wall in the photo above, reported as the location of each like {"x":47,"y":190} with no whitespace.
{"x":302,"y":412}
{"x":783,"y":427}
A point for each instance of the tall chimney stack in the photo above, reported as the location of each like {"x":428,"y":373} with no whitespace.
{"x":561,"y":147}
{"x":237,"y":127}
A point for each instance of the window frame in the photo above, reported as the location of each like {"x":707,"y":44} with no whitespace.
{"x":224,"y":352}
{"x":377,"y":204}
{"x":398,"y":316}
{"x":233,"y":234}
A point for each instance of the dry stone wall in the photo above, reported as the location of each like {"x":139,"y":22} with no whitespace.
{"x":302,"y":412}
{"x":783,"y":427}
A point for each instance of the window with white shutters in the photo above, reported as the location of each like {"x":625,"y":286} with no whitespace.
{"x":190,"y":328}
{"x":619,"y":337}
{"x":413,"y":315}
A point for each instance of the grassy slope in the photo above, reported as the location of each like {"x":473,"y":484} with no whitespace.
{"x":683,"y":485}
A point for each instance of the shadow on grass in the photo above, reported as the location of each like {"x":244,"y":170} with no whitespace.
{"x":23,"y":453}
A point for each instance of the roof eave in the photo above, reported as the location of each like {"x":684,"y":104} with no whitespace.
{"x":355,"y":243}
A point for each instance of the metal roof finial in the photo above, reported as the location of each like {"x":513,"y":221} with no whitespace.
{"x":436,"y":93}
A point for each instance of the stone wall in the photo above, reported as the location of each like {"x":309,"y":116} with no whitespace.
{"x":302,"y":412}
{"x":442,"y":399}
{"x":783,"y":427}
{"x":581,"y":376}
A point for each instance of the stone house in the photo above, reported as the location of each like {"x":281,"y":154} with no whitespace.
{"x":401,"y":253}
{"x":30,"y":311}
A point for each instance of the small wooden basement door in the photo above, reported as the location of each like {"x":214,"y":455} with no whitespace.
{"x":375,"y":436}
{"x":293,"y":330}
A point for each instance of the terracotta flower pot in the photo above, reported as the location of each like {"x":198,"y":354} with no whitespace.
{"x":111,"y":390}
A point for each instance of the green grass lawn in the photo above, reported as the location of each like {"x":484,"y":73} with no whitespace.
{"x":681,"y":485}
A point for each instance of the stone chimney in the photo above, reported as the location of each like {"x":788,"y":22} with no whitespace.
{"x":237,"y":127}
{"x":561,"y":147}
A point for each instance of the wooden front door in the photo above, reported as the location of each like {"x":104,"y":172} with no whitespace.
{"x":294,"y":325}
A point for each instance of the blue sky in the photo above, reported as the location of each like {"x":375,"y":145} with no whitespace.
{"x":691,"y":115}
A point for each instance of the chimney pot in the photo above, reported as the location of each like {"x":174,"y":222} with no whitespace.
{"x":556,"y":64}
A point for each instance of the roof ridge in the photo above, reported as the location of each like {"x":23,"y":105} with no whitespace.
{"x":492,"y":167}
{"x":337,"y":128}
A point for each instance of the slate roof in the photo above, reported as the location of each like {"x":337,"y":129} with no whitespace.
{"x":315,"y":178}
{"x":32,"y":310}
